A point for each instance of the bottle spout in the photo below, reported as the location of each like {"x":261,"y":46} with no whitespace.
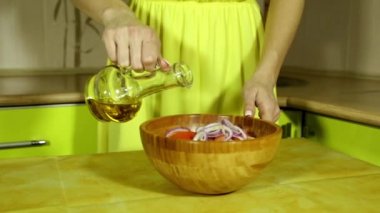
{"x":183,"y":74}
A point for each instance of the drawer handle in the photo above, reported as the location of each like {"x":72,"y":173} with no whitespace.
{"x":16,"y":144}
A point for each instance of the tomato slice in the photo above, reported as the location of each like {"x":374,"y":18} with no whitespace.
{"x":182,"y":135}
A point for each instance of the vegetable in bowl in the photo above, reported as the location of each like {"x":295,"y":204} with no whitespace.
{"x":223,"y":130}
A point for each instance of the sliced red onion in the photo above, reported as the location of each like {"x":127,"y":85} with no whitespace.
{"x":239,"y":138}
{"x":200,"y":136}
{"x":214,"y":130}
{"x":228,"y":133}
{"x":242,"y":133}
{"x":214,"y":134}
{"x":231,"y":125}
{"x":175,"y":130}
{"x":210,"y":127}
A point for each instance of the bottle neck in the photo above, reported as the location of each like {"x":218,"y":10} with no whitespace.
{"x":178,"y":76}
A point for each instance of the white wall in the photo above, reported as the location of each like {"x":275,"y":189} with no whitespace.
{"x":31,"y":38}
{"x":339,"y":35}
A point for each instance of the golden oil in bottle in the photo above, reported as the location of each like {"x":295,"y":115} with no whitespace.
{"x":115,"y":112}
{"x":115,"y":93}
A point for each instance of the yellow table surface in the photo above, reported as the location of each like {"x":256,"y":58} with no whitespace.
{"x":303,"y":177}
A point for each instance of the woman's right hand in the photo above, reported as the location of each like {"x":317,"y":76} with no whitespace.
{"x":130,"y":43}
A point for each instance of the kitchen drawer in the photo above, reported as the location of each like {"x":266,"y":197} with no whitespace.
{"x":357,"y":140}
{"x":69,"y":129}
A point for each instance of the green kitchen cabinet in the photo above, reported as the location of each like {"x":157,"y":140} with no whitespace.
{"x":355,"y":139}
{"x":69,"y":129}
{"x":291,"y":122}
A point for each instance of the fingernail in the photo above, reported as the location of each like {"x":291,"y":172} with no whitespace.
{"x":166,"y":62}
{"x":248,"y":113}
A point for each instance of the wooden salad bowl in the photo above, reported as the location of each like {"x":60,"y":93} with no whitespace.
{"x":209,"y":167}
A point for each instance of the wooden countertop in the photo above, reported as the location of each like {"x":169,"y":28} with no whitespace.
{"x":351,"y":98}
{"x":304,"y":176}
{"x":40,"y":87}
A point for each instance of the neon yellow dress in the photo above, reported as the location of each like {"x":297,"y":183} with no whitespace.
{"x":220,"y":41}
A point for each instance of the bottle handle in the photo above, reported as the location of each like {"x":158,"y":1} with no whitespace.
{"x":143,"y":74}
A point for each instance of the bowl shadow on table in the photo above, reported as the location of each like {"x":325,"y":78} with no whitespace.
{"x":139,"y":175}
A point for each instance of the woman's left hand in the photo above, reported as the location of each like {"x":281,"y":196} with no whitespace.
{"x":259,"y":92}
{"x":280,"y":27}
